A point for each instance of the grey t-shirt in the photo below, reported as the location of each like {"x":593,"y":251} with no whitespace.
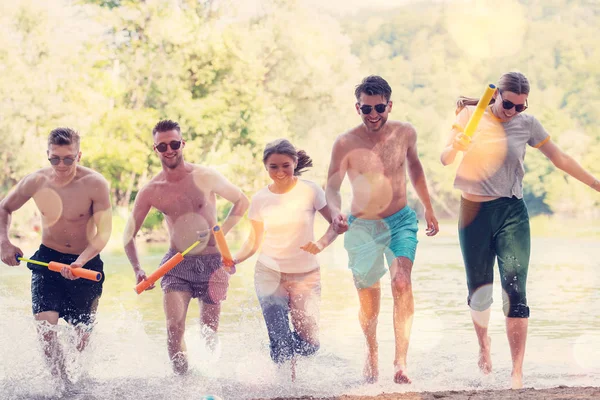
{"x":494,"y":164}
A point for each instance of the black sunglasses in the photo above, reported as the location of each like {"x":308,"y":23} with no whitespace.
{"x":66,"y":160}
{"x":507,"y":105}
{"x":162,"y":147}
{"x":379,"y":108}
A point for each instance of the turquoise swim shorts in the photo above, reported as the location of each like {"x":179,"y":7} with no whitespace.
{"x":368,"y":240}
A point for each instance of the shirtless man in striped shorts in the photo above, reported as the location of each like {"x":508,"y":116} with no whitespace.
{"x":185,"y":194}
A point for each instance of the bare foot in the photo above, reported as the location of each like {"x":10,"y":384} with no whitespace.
{"x":371,"y":369}
{"x":485,"y":357}
{"x":400,"y":377}
{"x":516,"y":381}
{"x":180,"y":363}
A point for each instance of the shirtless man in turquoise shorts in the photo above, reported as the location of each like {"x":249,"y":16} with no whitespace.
{"x":376,"y":156}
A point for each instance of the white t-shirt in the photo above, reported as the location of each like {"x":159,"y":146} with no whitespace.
{"x":288,"y":220}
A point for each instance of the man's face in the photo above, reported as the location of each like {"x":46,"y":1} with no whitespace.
{"x":163,"y":146}
{"x":378,"y":108}
{"x":64,"y":158}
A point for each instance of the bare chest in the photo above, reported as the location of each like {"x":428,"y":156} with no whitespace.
{"x":177,"y":199}
{"x":386,"y":157}
{"x":72,"y":203}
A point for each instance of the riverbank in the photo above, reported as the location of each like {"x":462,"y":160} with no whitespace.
{"x":559,"y":393}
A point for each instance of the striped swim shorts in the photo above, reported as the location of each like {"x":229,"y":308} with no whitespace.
{"x":200,"y":275}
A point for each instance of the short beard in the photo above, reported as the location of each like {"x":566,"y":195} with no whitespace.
{"x":381,"y":122}
{"x":178,"y":161}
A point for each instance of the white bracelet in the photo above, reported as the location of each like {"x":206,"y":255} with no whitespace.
{"x":593,"y":185}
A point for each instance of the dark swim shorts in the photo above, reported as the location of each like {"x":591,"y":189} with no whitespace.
{"x":72,"y":299}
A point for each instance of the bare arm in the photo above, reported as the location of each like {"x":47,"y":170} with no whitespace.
{"x":233,"y":194}
{"x":328,"y":237}
{"x":457,"y":140}
{"x":12,"y":202}
{"x":452,"y":148}
{"x":568,"y":164}
{"x":338,"y":167}
{"x":102,"y":217}
{"x":252,"y":244}
{"x":141,"y":207}
{"x":417,"y":177}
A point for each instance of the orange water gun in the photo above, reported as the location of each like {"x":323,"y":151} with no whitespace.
{"x":57,"y":267}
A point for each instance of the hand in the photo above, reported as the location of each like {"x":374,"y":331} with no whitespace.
{"x":340,"y":223}
{"x":312,"y":247}
{"x":229,"y":265}
{"x":140,"y":276}
{"x":461,"y":142}
{"x":432,"y":223}
{"x":9,"y":253}
{"x":67,"y":273}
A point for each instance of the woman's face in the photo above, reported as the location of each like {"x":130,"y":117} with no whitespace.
{"x":280,"y":167}
{"x":508,"y":104}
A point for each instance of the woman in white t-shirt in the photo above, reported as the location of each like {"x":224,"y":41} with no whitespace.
{"x":287,"y":276}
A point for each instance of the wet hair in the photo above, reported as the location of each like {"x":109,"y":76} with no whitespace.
{"x":63,"y":137}
{"x":373,"y":85}
{"x":514,"y":82}
{"x":165,"y":126}
{"x":283,"y":146}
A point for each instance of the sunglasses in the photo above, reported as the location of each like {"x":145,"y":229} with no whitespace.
{"x":162,"y":147}
{"x":379,"y":108}
{"x":66,"y":160}
{"x":507,"y":105}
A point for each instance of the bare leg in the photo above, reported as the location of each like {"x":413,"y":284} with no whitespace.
{"x":176,"y":305}
{"x":53,"y":352}
{"x":370,"y":299}
{"x":84,"y":332}
{"x":209,"y":323}
{"x":481,"y":320}
{"x":516,"y":330}
{"x":404,"y":309}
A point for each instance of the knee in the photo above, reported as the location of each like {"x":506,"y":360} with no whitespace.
{"x":175,"y":330}
{"x":515,"y":306}
{"x":368,"y":317}
{"x":401,"y":284}
{"x":481,"y":299}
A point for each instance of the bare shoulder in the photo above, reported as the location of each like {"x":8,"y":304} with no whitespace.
{"x":152,"y":188}
{"x":92,"y":178}
{"x":34,"y":181}
{"x":348,"y":139}
{"x":404,"y":131}
{"x":403,"y":128}
{"x":205,"y":175}
{"x":202,"y":170}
